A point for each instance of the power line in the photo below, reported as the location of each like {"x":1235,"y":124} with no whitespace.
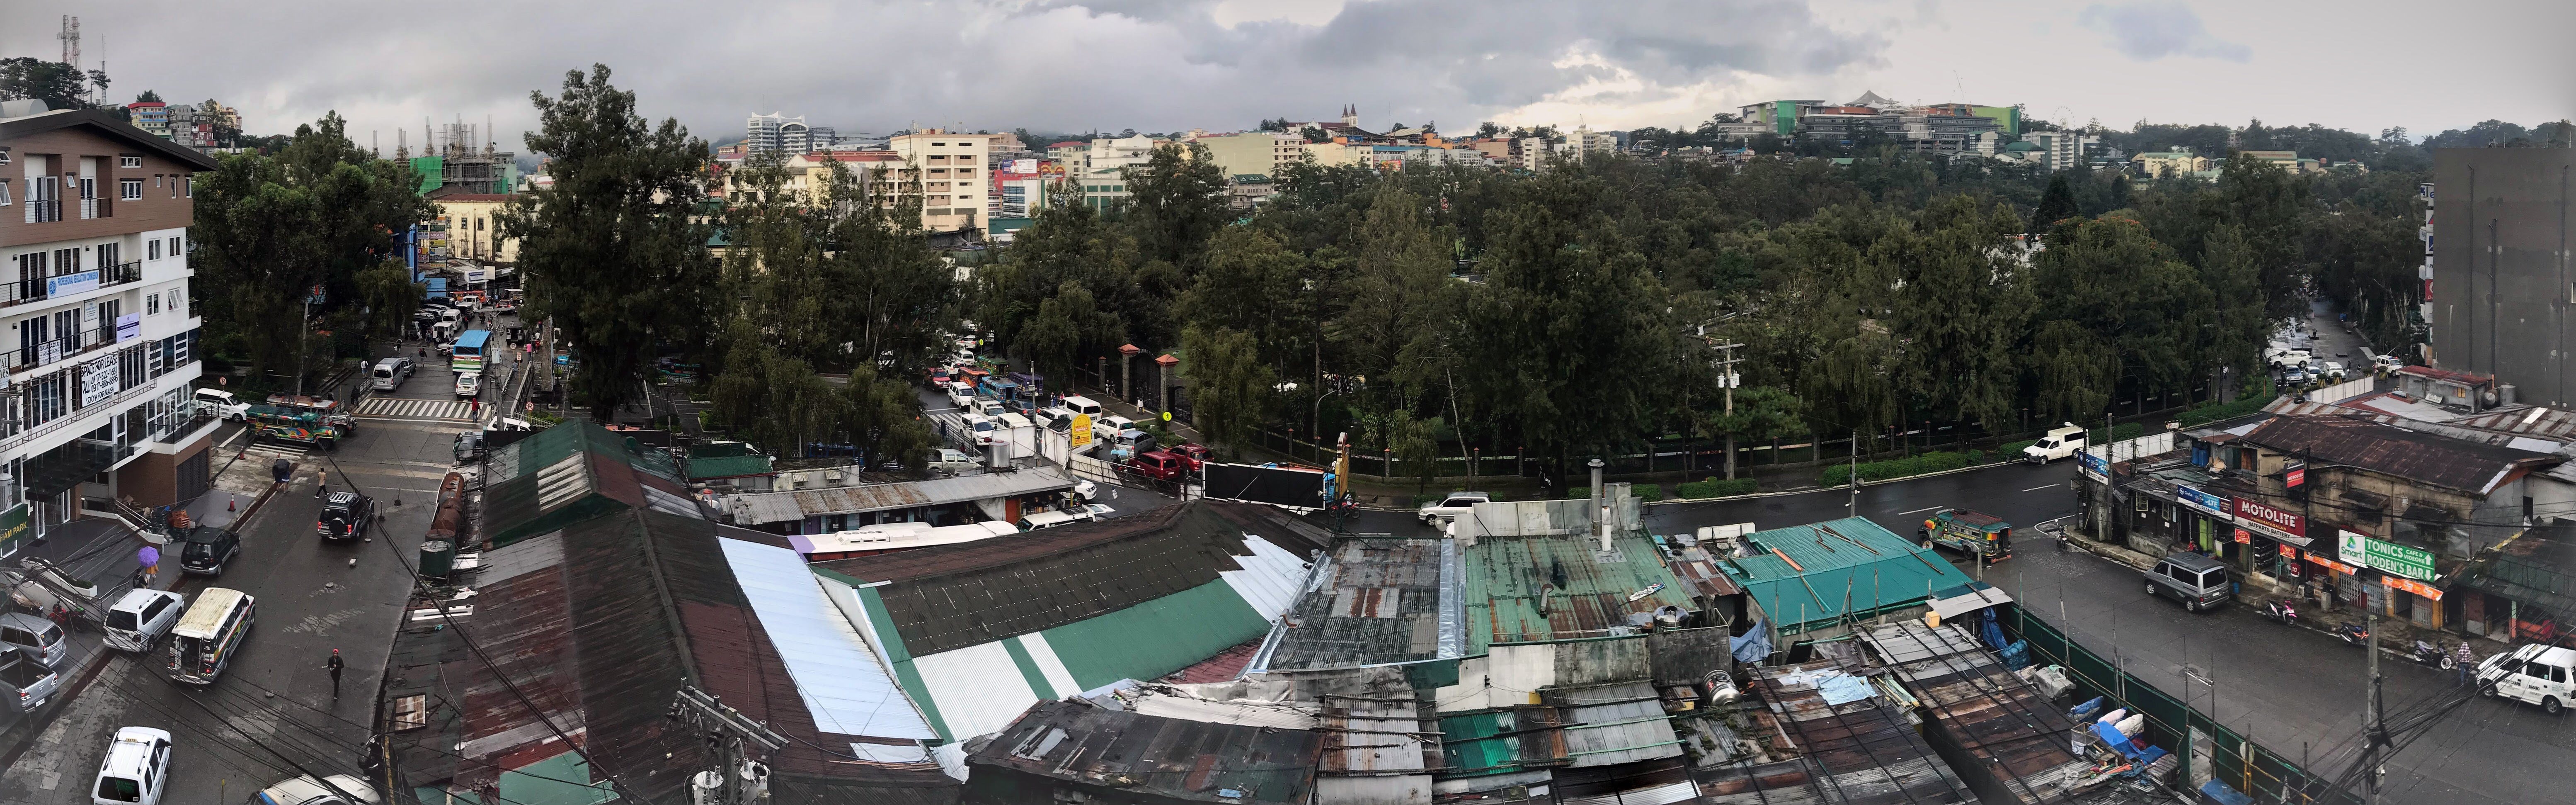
{"x":486,"y":659}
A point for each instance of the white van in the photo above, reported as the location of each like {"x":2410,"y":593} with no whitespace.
{"x":1051,"y":519}
{"x":1082,"y":405}
{"x":391,"y":372}
{"x":142,"y":618}
{"x":2058,"y":443}
{"x":223,"y":404}
{"x":947,"y":462}
{"x":2533,"y":674}
{"x":1107,"y":428}
{"x":210,"y":635}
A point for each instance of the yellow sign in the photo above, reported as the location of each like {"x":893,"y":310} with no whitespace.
{"x":1080,"y":432}
{"x":1167,"y":416}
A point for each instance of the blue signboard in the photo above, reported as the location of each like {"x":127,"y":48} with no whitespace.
{"x":438,"y":287}
{"x":2093,"y":465}
{"x":2203,"y":501}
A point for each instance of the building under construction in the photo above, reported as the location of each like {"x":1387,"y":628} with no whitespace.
{"x":458,"y":155}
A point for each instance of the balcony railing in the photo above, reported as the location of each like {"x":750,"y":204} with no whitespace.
{"x":59,"y":349}
{"x":46,"y":211}
{"x":42,"y":288}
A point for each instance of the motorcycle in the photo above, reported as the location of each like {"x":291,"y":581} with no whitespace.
{"x":2281,"y":611}
{"x":2353,"y":633}
{"x":2432,"y":655}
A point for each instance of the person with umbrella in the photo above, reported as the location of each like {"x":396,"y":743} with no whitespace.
{"x":150,"y":559}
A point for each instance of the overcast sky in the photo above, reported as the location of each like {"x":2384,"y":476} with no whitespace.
{"x":1166,"y":65}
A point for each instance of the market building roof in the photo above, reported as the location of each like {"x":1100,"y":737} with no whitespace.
{"x":1124,"y":756}
{"x":1807,"y":576}
{"x":1522,"y":589}
{"x":1839,"y":750}
{"x":725,"y":460}
{"x":1373,"y":601}
{"x":601,"y":624}
{"x":978,"y":632}
{"x":758,"y":508}
{"x":2415,"y":455}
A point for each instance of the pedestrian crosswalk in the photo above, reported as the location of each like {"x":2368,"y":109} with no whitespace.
{"x":276,"y":449}
{"x":405,"y":408}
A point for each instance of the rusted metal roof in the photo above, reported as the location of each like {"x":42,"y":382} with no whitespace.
{"x":1079,"y":747}
{"x":1859,"y":752}
{"x":755,"y":508}
{"x":1523,"y":589}
{"x":2000,"y":735}
{"x":2403,"y":452}
{"x":1372,"y":601}
{"x":2523,"y":420}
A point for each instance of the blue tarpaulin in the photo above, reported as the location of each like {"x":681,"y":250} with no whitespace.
{"x":2110,"y":735}
{"x":2016,"y":656}
{"x":1992,"y":631}
{"x":1842,"y":689}
{"x":1753,"y":645}
{"x":2086,"y":709}
{"x":2218,"y":793}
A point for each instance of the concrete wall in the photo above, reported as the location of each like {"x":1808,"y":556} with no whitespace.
{"x":2502,"y":301}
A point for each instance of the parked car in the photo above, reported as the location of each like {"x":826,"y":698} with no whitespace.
{"x":1971,"y":532}
{"x":1047,"y":519}
{"x":947,"y":462}
{"x":2386,"y":363}
{"x":2295,"y":376}
{"x":337,"y":789}
{"x":37,"y":637}
{"x":345,"y":515}
{"x":2059,"y":442}
{"x":2199,"y":582}
{"x":208,"y":549}
{"x":1160,"y":465}
{"x":1107,"y":428}
{"x":1194,"y":453}
{"x":469,"y":446}
{"x":1131,"y":443}
{"x":2332,"y":373}
{"x":469,"y":384}
{"x":136,"y":770}
{"x":25,"y":680}
{"x":1456,"y":505}
{"x":390,"y":374}
{"x":2536,"y":673}
{"x":139,"y":620}
{"x":223,"y":404}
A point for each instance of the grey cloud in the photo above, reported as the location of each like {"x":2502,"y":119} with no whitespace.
{"x":879,"y":65}
{"x":2147,"y":30}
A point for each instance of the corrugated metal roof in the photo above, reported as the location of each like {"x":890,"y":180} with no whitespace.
{"x":1614,"y":724}
{"x":1372,"y":601}
{"x":1192,"y":761}
{"x":1860,"y":752}
{"x":1550,"y":588}
{"x":2525,"y":420}
{"x":705,"y":467}
{"x":845,"y":687}
{"x":755,"y":508}
{"x":2005,"y":739}
{"x":2403,"y":452}
{"x":1850,"y":564}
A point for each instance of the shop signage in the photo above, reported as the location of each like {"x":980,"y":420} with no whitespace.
{"x":2270,"y":521}
{"x":1078,"y":435}
{"x":71,"y":283}
{"x":2243,"y":537}
{"x":2419,"y":588}
{"x":13,"y":528}
{"x":99,"y":380}
{"x":2403,"y":560}
{"x":2295,"y":478}
{"x":2338,"y":567}
{"x":129,"y":327}
{"x":2203,"y":501}
{"x":2096,"y":466}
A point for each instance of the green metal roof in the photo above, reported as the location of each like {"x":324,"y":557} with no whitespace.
{"x":1848,"y":560}
{"x":705,"y":467}
{"x":545,"y":447}
{"x":1509,"y":577}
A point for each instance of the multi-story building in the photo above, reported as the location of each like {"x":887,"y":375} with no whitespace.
{"x":1074,"y":155}
{"x":2059,"y":150}
{"x":2179,"y":162}
{"x":946,"y":171}
{"x":2502,"y":297}
{"x":1255,"y":152}
{"x":1019,"y":187}
{"x":1104,"y":175}
{"x":473,"y":225}
{"x":98,"y":330}
{"x":150,"y":116}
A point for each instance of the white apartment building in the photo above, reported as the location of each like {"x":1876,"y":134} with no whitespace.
{"x":1103,"y":178}
{"x":98,"y":327}
{"x":946,"y":171}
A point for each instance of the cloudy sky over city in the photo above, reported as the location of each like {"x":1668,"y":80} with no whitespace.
{"x":1173,"y":65}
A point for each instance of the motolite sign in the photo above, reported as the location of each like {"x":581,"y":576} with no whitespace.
{"x":2269,"y":520}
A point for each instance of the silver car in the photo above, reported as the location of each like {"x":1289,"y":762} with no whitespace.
{"x":142,"y":618}
{"x":39,"y":638}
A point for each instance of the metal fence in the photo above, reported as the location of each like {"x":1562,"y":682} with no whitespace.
{"x":2207,"y":749}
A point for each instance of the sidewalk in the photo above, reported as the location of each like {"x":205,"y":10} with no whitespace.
{"x":2254,"y":592}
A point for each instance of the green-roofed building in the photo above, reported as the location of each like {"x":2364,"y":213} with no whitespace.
{"x":1816,"y":579}
{"x":726,"y":463}
{"x":1531,"y":589}
{"x":574,"y":472}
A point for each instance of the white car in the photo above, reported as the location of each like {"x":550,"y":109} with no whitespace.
{"x":1456,"y":505}
{"x":1107,"y":428}
{"x":136,"y":770}
{"x":2332,"y":373}
{"x":961,"y":394}
{"x":142,"y":618}
{"x":223,"y":404}
{"x":308,"y":791}
{"x":947,"y":462}
{"x":469,"y":384}
{"x":2057,"y":443}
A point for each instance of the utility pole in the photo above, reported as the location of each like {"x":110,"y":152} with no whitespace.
{"x":1728,"y":379}
{"x":739,"y":778}
{"x":1855,"y":473}
{"x":303,"y":354}
{"x":2373,"y":723}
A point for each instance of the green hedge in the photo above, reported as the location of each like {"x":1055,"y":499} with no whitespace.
{"x":1840,"y":474}
{"x":1641,"y":491}
{"x":2251,"y":401}
{"x":1714,"y":488}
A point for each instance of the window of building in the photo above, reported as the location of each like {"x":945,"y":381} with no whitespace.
{"x":129,"y":189}
{"x":151,"y":304}
{"x":129,"y":161}
{"x":192,"y":187}
{"x":4,"y":183}
{"x":152,"y":249}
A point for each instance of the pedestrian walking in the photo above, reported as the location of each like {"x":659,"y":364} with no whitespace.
{"x":150,"y":560}
{"x":2468,"y":663}
{"x":321,"y":483}
{"x":335,"y":673}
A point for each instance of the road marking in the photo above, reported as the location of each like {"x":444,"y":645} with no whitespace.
{"x":1917,"y":511}
{"x":2037,"y":488}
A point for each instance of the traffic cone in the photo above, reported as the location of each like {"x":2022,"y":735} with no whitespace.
{"x":229,"y":503}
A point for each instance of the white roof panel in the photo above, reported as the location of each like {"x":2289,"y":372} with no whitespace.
{"x":847,"y":689}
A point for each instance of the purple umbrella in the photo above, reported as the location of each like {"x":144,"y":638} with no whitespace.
{"x":148,"y":556}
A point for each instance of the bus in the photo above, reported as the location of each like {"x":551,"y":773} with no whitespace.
{"x":467,"y":354}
